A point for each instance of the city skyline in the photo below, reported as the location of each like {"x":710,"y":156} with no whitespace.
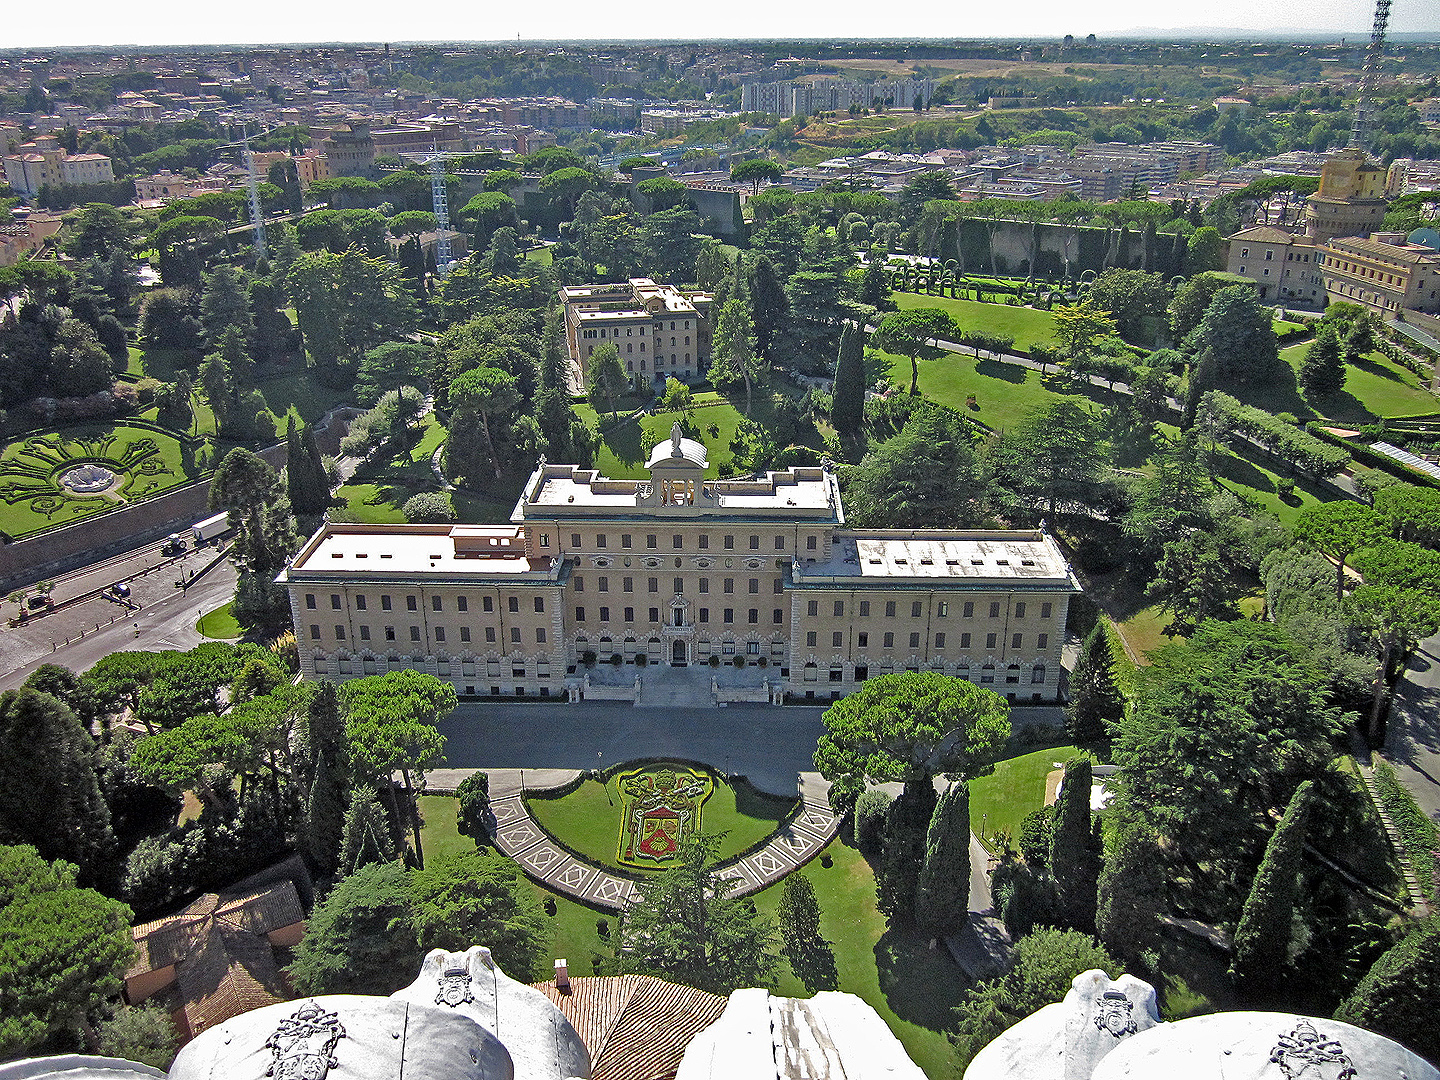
{"x":266,"y":22}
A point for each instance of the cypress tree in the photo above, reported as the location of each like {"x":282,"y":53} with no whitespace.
{"x":942,"y":899}
{"x":325,"y":816}
{"x":1073,"y":858}
{"x":1323,"y":370}
{"x":552,"y":403}
{"x":1203,"y":371}
{"x":1094,"y":697}
{"x":810,"y":956}
{"x":1397,"y":996}
{"x":1262,"y":939}
{"x":769,"y":305}
{"x":847,"y":408}
{"x":1131,"y":894}
{"x":366,"y":836}
{"x":903,"y":852}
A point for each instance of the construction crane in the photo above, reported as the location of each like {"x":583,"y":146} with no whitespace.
{"x":440,"y":203}
{"x":1370,"y":78}
{"x":252,"y":191}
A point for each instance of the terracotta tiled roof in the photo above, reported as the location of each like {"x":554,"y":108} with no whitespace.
{"x":636,"y":1027}
{"x":224,"y":963}
{"x":1267,"y":234}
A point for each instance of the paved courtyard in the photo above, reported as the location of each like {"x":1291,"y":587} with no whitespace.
{"x":769,"y":745}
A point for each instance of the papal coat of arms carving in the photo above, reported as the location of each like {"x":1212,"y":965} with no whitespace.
{"x":303,"y":1046}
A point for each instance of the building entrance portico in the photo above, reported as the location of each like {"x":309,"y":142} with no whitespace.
{"x":679,"y":653}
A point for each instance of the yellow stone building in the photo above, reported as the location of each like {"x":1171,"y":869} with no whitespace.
{"x":751,"y":590}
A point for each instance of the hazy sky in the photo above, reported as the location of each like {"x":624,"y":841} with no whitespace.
{"x":169,"y":22}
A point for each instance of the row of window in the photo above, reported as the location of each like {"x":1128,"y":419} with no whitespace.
{"x":917,"y":609}
{"x":677,"y":541}
{"x":603,"y":332}
{"x":602,"y":584}
{"x":412,"y":603}
{"x":438,"y":632}
{"x":811,"y":673}
{"x":887,"y":640}
{"x":752,"y":617}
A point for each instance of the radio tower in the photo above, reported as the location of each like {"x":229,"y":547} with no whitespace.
{"x":1370,"y":77}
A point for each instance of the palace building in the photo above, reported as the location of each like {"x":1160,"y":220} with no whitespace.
{"x":601,"y":587}
{"x":659,"y":331}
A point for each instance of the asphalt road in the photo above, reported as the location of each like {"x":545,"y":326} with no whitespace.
{"x":768,"y":744}
{"x":166,"y":623}
{"x":1413,"y":742}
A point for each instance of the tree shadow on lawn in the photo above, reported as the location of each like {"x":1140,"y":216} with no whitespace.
{"x":164,"y":364}
{"x":1346,"y":407}
{"x":999,"y":369}
{"x":922,"y":986}
{"x":1370,"y":367}
{"x":626,"y":442}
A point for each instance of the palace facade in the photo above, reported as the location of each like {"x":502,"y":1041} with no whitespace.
{"x":600,"y":586}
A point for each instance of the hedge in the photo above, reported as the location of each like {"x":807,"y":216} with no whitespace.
{"x":1365,"y":454}
{"x":1287,"y":442}
{"x":1418,"y":834}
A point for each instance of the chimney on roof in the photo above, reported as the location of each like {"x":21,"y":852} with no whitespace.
{"x":562,"y":975}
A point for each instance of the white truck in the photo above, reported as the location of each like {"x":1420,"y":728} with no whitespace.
{"x":211,"y":527}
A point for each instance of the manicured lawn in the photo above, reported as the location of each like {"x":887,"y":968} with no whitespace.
{"x":1144,"y":631}
{"x":372,"y":504}
{"x":588,"y":818}
{"x":1000,"y":801}
{"x":31,"y":498}
{"x":1005,"y":394}
{"x":220,"y":623}
{"x":1374,"y":387}
{"x":912,"y":988}
{"x":296,"y":392}
{"x":1248,"y":476}
{"x":622,"y":449}
{"x":1026,"y":325}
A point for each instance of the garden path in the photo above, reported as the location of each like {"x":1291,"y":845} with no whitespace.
{"x":544,"y":859}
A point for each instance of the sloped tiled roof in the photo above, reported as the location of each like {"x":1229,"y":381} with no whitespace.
{"x":224,"y":963}
{"x":636,"y":1027}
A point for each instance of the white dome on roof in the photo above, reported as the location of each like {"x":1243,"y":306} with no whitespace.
{"x":678,"y":450}
{"x":345,"y":1037}
{"x":1262,"y":1046}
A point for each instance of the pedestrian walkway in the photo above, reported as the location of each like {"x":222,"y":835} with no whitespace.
{"x":551,"y":864}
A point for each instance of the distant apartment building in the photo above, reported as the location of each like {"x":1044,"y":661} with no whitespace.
{"x":309,"y":166}
{"x":35,"y":164}
{"x":670,"y":123}
{"x":806,"y":97}
{"x":1284,"y":265}
{"x":553,"y":114}
{"x":1382,"y":272}
{"x":615,"y":114}
{"x":658,"y":330}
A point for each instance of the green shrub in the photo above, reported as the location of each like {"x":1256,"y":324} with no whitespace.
{"x":1418,"y":833}
{"x":870,"y":811}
